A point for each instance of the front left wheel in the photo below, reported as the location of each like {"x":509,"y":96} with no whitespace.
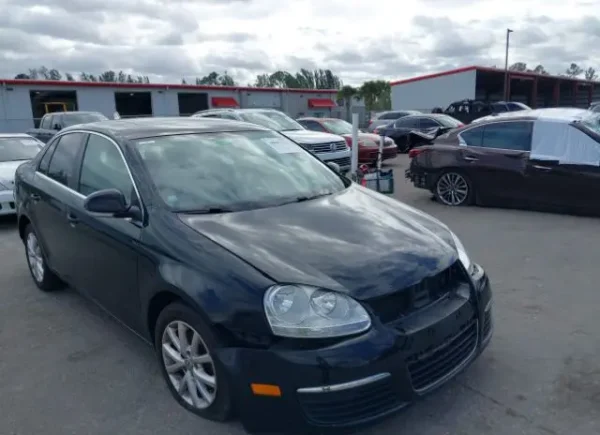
{"x":185,"y":348}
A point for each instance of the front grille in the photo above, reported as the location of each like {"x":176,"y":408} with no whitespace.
{"x":330,"y":147}
{"x":350,"y":406}
{"x":397,"y":305}
{"x":432,"y":366}
{"x":487,"y":323}
{"x":344,"y":161}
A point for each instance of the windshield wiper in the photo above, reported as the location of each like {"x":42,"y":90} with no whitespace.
{"x":308,"y":198}
{"x":210,"y":210}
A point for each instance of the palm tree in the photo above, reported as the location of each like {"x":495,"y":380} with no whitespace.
{"x":346,"y":93}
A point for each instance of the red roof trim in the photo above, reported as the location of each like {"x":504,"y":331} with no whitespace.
{"x":320,"y":103}
{"x":161,"y":86}
{"x":224,"y":102}
{"x":486,"y":69}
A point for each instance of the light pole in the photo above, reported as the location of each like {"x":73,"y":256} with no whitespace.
{"x":508,"y":32}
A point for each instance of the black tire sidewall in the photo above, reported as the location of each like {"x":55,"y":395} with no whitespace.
{"x":470,"y":194}
{"x":221,"y":408}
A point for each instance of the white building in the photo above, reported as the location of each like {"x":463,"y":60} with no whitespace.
{"x":483,"y":83}
{"x":24,"y":102}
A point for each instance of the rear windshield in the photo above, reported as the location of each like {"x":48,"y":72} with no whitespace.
{"x":82,"y":118}
{"x":18,"y":148}
{"x":448,"y":121}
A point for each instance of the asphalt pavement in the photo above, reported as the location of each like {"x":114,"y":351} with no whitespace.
{"x":68,"y":368}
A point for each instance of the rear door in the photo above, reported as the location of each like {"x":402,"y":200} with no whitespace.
{"x":568,"y":185}
{"x":495,"y":155}
{"x":52,"y":198}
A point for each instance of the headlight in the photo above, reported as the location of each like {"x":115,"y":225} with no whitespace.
{"x":463,"y":256}
{"x":302,"y":311}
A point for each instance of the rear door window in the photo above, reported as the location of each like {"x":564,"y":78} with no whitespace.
{"x":428,"y":123}
{"x":472,"y":137}
{"x":62,"y":164}
{"x":407,"y":123}
{"x":508,"y":135}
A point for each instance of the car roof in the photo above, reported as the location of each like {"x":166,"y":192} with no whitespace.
{"x":71,"y":112}
{"x":313,"y":118}
{"x":22,"y":135}
{"x":555,"y":114}
{"x":138,"y":128}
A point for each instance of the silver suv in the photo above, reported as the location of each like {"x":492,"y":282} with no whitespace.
{"x":328,"y":147}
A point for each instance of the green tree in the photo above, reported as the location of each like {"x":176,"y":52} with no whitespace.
{"x":574,"y":70}
{"x":304,"y":79}
{"x":376,"y":95}
{"x":590,"y":74}
{"x":347,"y":93}
{"x":216,"y":79}
{"x":518,"y":66}
{"x":540,"y":70}
{"x":69,"y":77}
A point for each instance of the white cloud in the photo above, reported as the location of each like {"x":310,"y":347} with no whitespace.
{"x":358,"y":39}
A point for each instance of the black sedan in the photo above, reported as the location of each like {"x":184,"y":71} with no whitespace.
{"x":541,"y":159}
{"x":401,"y":129}
{"x":270,"y":286}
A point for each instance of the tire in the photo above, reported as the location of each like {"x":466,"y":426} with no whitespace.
{"x":453,"y":188}
{"x":402,"y":144}
{"x":173,"y":316}
{"x":43,"y":277}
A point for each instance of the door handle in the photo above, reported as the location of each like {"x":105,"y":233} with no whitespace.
{"x":542,"y":168}
{"x":470,"y":159}
{"x":35,"y":197}
{"x":73,"y":220}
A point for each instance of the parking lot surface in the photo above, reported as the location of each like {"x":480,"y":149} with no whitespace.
{"x":68,"y":368}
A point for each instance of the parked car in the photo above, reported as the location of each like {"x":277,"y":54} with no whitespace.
{"x":546,"y":158}
{"x":384,"y":118}
{"x":368,"y":143}
{"x":468,"y":111}
{"x":400,"y":130}
{"x":268,"y":284}
{"x":52,"y":123}
{"x":15,"y":149}
{"x":328,"y":147}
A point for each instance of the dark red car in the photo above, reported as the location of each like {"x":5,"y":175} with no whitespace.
{"x":368,"y":143}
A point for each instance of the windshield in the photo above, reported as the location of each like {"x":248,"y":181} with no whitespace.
{"x":448,"y":121}
{"x":260,"y":119}
{"x":18,"y":148}
{"x":233,"y":171}
{"x":281,"y":120}
{"x":82,"y":118}
{"x":338,"y":126}
{"x":592,"y":123}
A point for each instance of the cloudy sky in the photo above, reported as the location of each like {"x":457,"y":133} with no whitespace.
{"x":357,"y":39}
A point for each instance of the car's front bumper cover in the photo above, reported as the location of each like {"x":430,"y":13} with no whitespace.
{"x":7,"y":202}
{"x":365,"y":378}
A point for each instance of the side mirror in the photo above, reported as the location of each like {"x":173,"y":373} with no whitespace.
{"x":334,"y":166}
{"x":56,"y":127}
{"x":107,"y":201}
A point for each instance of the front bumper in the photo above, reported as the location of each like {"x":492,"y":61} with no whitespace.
{"x":7,"y":203}
{"x":366,"y":378}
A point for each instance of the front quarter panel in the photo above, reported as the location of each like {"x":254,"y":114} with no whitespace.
{"x":224,"y":289}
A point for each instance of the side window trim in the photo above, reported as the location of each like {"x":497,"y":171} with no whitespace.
{"x":88,"y":133}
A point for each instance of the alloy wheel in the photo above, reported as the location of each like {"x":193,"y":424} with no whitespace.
{"x":188,"y":364}
{"x":35,"y":258}
{"x":452,"y":189}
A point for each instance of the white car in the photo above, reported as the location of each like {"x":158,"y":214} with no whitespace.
{"x":15,"y":149}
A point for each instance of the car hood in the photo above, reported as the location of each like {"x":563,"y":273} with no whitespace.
{"x":7,"y":172}
{"x":357,"y":242}
{"x":307,"y":137}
